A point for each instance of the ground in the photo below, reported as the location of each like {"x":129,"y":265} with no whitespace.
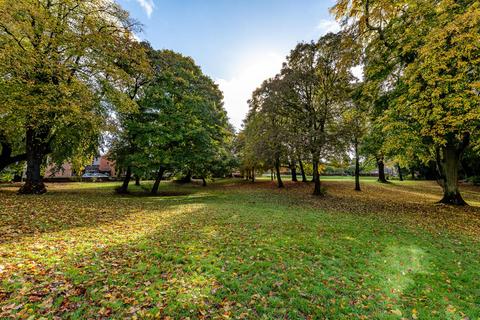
{"x":240,"y":250}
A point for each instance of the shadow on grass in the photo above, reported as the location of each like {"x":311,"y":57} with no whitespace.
{"x":248,"y":254}
{"x":206,"y":260}
{"x":69,"y":206}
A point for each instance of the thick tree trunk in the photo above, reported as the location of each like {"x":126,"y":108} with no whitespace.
{"x":381,"y":170}
{"x":279,"y":176}
{"x":159,"y":178}
{"x":128,"y":176}
{"x":357,"y":168}
{"x":400,"y":175}
{"x":302,"y":170}
{"x":36,"y":147}
{"x":317,"y":191}
{"x":204,"y":182}
{"x":448,"y":166}
{"x":294,"y":171}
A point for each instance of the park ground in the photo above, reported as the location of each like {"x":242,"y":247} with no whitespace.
{"x":241,"y":251}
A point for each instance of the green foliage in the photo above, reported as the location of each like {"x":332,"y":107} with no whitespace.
{"x":181,"y":123}
{"x":305,"y":111}
{"x":62,"y":73}
{"x":421,"y":61}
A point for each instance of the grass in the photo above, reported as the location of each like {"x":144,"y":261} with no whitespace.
{"x":240,"y":250}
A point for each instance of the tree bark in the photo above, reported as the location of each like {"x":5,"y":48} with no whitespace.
{"x":357,"y":167}
{"x":159,"y":178}
{"x":271,"y":174}
{"x":302,"y":170}
{"x":128,"y":176}
{"x":279,"y":176}
{"x":381,"y":170}
{"x":448,"y":168}
{"x":137,"y":180}
{"x":253,"y":175}
{"x":187,"y":178}
{"x":36,"y":147}
{"x":412,"y":172}
{"x":293,"y":168}
{"x":400,"y":175}
{"x":204,"y":182}
{"x":317,"y":191}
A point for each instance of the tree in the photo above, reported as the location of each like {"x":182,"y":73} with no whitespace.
{"x":316,"y":78}
{"x":181,"y":124}
{"x":430,"y":65}
{"x":267,"y":132}
{"x":56,"y":57}
{"x":356,"y":118}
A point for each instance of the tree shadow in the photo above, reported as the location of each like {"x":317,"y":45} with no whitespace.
{"x":71,"y":206}
{"x":197,"y":261}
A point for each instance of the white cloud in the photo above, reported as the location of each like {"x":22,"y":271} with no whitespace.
{"x":326,"y":26}
{"x":250,"y":75}
{"x":147,"y":5}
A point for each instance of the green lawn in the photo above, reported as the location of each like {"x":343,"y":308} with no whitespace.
{"x":241,"y":251}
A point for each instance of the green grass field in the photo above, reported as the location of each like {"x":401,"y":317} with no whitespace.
{"x":236,"y":250}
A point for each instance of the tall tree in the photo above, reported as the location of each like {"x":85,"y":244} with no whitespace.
{"x":430,"y":70}
{"x":316,"y":76}
{"x":55,"y":58}
{"x":266,"y":127}
{"x":181,"y":124}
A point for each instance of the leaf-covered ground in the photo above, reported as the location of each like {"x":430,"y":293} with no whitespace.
{"x":242,"y":251}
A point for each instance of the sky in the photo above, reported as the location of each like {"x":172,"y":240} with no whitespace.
{"x":238,"y":43}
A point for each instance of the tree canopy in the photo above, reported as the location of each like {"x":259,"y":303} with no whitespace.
{"x":62,"y":70}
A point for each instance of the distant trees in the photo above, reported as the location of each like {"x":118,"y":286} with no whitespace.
{"x":304,"y":106}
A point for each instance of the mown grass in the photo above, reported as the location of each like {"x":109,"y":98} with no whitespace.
{"x":237,"y":250}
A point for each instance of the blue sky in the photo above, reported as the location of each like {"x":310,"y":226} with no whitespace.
{"x":238,"y":43}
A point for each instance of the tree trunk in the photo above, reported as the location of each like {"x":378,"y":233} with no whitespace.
{"x":128,"y":176}
{"x":381,"y":170}
{"x":279,"y":176}
{"x":412,"y":171}
{"x":36,"y":147}
{"x":253,"y":174}
{"x":448,"y":166}
{"x":317,"y":191}
{"x":204,"y":182}
{"x":137,"y":180}
{"x":400,"y":175}
{"x":187,"y":178}
{"x":271,"y":174}
{"x":159,"y":178}
{"x":294,"y":171}
{"x":302,"y":170}
{"x":357,"y":168}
